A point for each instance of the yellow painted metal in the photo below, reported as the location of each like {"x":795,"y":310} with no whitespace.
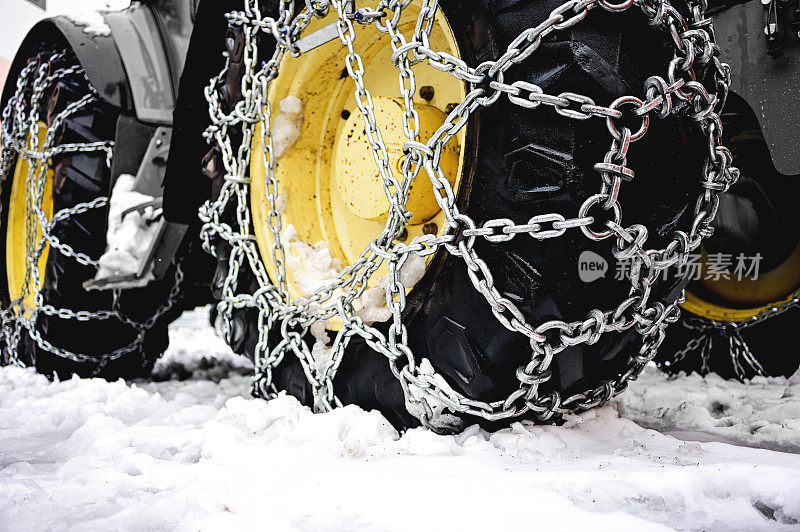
{"x":16,"y":230}
{"x":358,"y":181}
{"x":735,"y":300}
{"x":327,"y":179}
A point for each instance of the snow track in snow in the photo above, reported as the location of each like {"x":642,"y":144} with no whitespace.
{"x":200,"y":454}
{"x":765,"y":412}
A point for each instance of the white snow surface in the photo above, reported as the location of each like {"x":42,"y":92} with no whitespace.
{"x":192,"y":451}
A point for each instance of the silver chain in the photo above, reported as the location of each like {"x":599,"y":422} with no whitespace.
{"x":21,"y":123}
{"x":679,"y":92}
{"x":731,"y":331}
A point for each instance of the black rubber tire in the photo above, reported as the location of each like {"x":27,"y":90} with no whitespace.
{"x":769,"y":200}
{"x":528,"y":162}
{"x":78,"y":178}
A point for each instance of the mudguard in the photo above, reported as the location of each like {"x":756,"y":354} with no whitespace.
{"x":97,"y":53}
{"x":130,"y":65}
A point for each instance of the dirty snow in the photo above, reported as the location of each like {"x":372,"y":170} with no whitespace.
{"x":763,"y":413}
{"x":128,"y":239}
{"x":195,"y":452}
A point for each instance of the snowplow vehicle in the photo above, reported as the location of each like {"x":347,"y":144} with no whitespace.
{"x":451,"y":211}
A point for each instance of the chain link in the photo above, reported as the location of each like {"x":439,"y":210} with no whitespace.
{"x":427,"y":393}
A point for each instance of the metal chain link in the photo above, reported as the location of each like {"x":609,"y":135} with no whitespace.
{"x":427,"y":393}
{"x":21,"y":122}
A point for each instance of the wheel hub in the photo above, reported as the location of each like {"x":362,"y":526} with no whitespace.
{"x":358,"y":180}
{"x":329,"y":188}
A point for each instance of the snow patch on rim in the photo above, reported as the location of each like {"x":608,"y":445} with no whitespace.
{"x":312,"y":265}
{"x":286,"y":125}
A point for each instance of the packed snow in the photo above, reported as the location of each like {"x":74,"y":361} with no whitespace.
{"x":373,"y":305}
{"x":312,"y":265}
{"x":92,"y":22}
{"x":286,"y":125}
{"x":192,"y":450}
{"x":129,"y":237}
{"x":765,"y":412}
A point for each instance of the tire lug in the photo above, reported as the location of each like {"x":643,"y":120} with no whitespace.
{"x":60,"y":174}
{"x":212,"y":168}
{"x":53,"y":104}
{"x":223,"y":249}
{"x":239,"y":326}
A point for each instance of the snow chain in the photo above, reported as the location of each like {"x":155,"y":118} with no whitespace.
{"x":427,"y":394}
{"x":20,"y":139}
{"x":729,"y":331}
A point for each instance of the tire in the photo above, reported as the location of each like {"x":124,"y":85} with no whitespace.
{"x":756,"y":216}
{"x":526,"y":162}
{"x":81,"y":177}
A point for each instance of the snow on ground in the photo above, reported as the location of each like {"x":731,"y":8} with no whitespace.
{"x":192,"y":451}
{"x":763,"y":413}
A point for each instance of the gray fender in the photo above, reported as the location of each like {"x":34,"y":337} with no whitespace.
{"x":128,"y":65}
{"x":771,"y":87}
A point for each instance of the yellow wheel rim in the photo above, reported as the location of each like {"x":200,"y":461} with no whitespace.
{"x":22,"y":291}
{"x":329,"y":186}
{"x":735,"y":300}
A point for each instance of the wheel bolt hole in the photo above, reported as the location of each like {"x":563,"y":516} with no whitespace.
{"x":426,"y":93}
